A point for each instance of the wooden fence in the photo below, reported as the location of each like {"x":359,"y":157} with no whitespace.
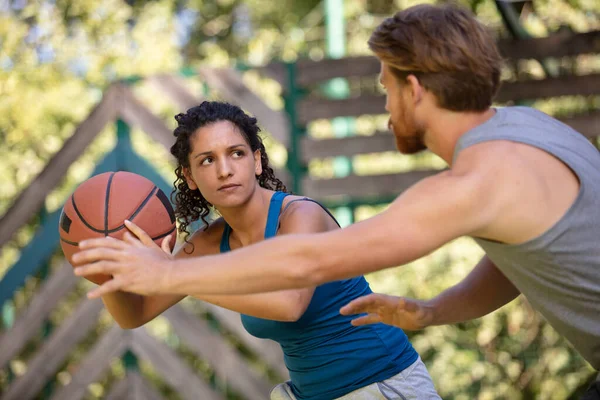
{"x":307,"y":76}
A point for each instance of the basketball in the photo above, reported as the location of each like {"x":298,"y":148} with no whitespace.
{"x":101,"y":204}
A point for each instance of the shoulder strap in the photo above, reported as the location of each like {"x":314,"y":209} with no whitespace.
{"x":224,"y":246}
{"x":273,"y":216}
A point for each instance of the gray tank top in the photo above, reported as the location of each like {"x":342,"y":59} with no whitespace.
{"x":559,"y":271}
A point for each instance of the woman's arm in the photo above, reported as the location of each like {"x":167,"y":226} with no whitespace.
{"x":283,"y":305}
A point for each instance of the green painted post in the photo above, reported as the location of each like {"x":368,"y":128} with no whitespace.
{"x":338,"y":88}
{"x":294,"y":162}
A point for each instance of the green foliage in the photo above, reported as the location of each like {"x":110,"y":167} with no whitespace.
{"x":57,"y":57}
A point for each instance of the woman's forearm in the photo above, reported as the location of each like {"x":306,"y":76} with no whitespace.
{"x":126,"y":308}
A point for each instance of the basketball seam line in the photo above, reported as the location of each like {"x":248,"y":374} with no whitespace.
{"x":164,"y":234}
{"x":136,"y":212}
{"x":107,"y":199}
{"x":69,"y":242}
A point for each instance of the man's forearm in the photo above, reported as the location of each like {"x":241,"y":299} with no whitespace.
{"x":257,"y":268}
{"x":484,"y":290}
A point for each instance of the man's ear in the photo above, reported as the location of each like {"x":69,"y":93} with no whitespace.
{"x":416,"y":89}
{"x":188,"y":179}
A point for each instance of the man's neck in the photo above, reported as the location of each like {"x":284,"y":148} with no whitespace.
{"x":445,"y":128}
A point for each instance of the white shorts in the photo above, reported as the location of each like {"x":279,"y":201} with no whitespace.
{"x":414,"y":383}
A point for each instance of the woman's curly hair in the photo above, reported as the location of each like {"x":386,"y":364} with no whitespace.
{"x":190,"y":205}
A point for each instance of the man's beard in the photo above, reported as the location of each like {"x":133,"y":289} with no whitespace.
{"x":411,"y":140}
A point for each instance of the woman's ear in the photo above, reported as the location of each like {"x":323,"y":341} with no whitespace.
{"x":257,"y":163}
{"x":188,"y":179}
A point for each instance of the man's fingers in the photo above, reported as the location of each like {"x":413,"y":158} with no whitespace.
{"x":100,"y":267}
{"x":108,"y":242}
{"x":165,"y":245}
{"x":107,"y":287}
{"x":132,"y":240}
{"x":367,"y":319}
{"x":360,"y":305}
{"x":139,"y":233}
{"x":96,"y":254}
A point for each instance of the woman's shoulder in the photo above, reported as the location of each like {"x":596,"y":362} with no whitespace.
{"x":300,"y":209}
{"x":206,"y":240}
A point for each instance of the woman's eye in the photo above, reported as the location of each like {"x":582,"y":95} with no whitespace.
{"x":238,"y":153}
{"x":206,"y":161}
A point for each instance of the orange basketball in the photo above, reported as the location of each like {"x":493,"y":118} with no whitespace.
{"x":101,"y":204}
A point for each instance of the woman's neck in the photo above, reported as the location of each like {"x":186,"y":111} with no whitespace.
{"x":248,"y":221}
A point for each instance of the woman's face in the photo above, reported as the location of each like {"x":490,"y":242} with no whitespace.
{"x":222,"y":165}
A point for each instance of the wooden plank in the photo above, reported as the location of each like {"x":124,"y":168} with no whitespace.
{"x":31,"y":199}
{"x":347,"y":147}
{"x":31,"y":320}
{"x":111,"y":345}
{"x":363,"y":186}
{"x":587,"y":124}
{"x":317,"y":108}
{"x":120,"y":390}
{"x":54,"y":351}
{"x":134,"y":386}
{"x":142,"y":389}
{"x":229,"y":84}
{"x":174,"y":370}
{"x":561,"y":44}
{"x":175,"y":89}
{"x":268,"y":350}
{"x":229,"y":366}
{"x":136,"y":114}
{"x":583,"y":85}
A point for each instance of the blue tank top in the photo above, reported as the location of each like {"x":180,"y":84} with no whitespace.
{"x":326,"y":356}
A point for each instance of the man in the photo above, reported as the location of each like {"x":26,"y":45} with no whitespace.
{"x":525,"y":186}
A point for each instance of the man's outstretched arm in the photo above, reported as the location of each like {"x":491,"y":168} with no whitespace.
{"x":462,"y":201}
{"x":484,"y":290}
{"x":431,"y":213}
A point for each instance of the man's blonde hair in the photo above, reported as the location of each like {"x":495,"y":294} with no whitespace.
{"x":447,"y":49}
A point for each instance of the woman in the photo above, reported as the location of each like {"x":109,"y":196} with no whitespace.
{"x":222,"y":165}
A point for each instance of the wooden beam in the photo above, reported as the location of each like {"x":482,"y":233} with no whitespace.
{"x":347,"y":147}
{"x":570,"y":85}
{"x":54,"y":351}
{"x":587,"y":124}
{"x":31,"y":320}
{"x":363,"y":186}
{"x":229,"y":366}
{"x":317,"y":108}
{"x":175,"y":89}
{"x":142,"y":389}
{"x":560,"y":44}
{"x":111,"y":345}
{"x":31,"y":199}
{"x":584,"y":85}
{"x":137,"y":114}
{"x":268,"y":351}
{"x":229,"y":84}
{"x":174,"y":370}
{"x":120,"y":390}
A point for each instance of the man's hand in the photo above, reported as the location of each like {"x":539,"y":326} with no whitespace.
{"x":404,"y":313}
{"x":137,"y":265}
